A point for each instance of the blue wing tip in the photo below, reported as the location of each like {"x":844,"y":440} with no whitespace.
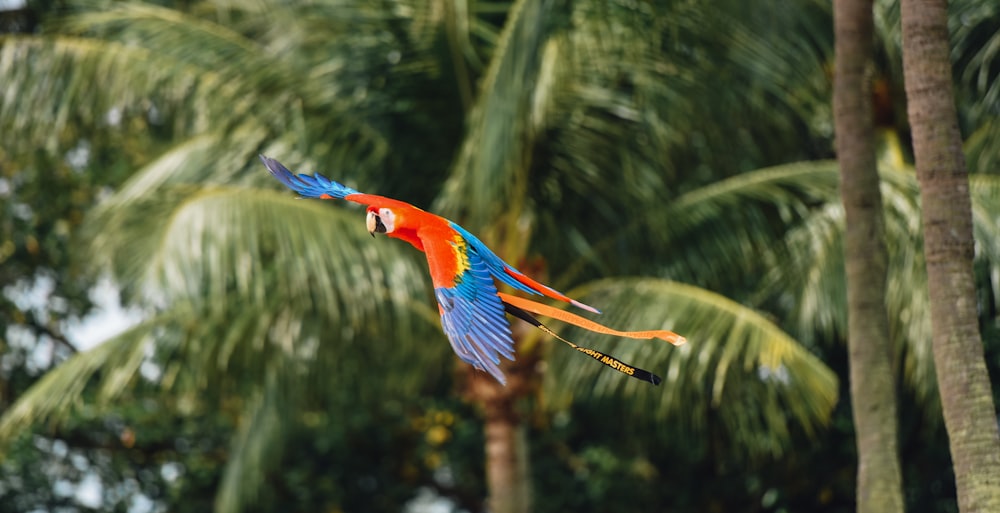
{"x":315,"y":186}
{"x":500,"y":378}
{"x":493,"y":370}
{"x":281,"y":172}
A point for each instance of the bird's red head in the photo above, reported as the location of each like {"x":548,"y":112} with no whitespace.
{"x":380,"y":220}
{"x":399,"y":220}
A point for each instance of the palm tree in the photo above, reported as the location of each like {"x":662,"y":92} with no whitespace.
{"x":873,"y":391}
{"x":281,"y":303}
{"x":966,"y":396}
{"x":179,"y":255}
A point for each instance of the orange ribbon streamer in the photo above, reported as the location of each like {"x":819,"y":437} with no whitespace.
{"x":576,"y":320}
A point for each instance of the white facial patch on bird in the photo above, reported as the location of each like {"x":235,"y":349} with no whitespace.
{"x":388,"y":218}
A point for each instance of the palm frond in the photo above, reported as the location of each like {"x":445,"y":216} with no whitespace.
{"x":257,"y":447}
{"x":791,"y":189}
{"x":737,"y":367}
{"x":271,"y":274}
{"x":39,"y":100}
{"x":711,"y":231}
{"x":985,"y":190}
{"x":975,"y":42}
{"x":786,"y":71}
{"x":819,"y":301}
{"x":812,"y":288}
{"x":331,"y":97}
{"x":981,"y":147}
{"x":250,"y":282}
{"x":625,"y":107}
{"x":168,"y":30}
{"x":704,"y":236}
{"x":213,"y":243}
{"x":493,"y":160}
{"x":116,"y":362}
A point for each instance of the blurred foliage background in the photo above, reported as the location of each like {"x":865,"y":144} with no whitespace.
{"x":666,"y":161}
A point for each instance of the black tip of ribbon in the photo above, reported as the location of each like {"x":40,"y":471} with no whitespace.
{"x":620,"y":366}
{"x":652,"y":378}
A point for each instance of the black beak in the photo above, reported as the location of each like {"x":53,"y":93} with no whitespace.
{"x":374,"y":223}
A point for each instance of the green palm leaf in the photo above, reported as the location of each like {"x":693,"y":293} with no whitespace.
{"x":215,"y":244}
{"x":975,"y":42}
{"x":117,"y":360}
{"x":245,"y":274}
{"x":704,"y":236}
{"x":818,"y":301}
{"x":41,"y":99}
{"x":493,"y":160}
{"x":253,"y":283}
{"x":737,"y":366}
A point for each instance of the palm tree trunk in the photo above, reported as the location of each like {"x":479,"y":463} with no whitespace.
{"x":506,"y":457}
{"x":873,"y":392}
{"x":508,"y":476}
{"x":966,"y":399}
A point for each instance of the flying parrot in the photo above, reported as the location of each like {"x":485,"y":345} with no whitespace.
{"x":464,"y":273}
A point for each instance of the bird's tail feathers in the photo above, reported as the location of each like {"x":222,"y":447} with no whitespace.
{"x":545,"y":290}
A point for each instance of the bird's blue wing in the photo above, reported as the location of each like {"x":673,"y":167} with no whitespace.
{"x":473,"y":318}
{"x":315,"y":186}
{"x":508,"y":275}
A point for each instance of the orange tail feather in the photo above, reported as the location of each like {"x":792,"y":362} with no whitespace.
{"x":576,"y":320}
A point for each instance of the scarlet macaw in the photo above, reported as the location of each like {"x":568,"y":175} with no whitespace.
{"x":463,"y":271}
